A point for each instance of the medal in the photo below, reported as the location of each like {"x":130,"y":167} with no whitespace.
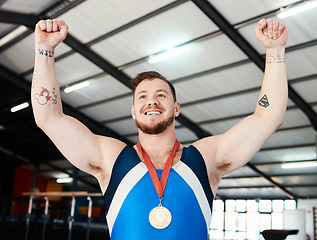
{"x":160,"y":217}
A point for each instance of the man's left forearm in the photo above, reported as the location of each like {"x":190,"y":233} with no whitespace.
{"x":273,"y":97}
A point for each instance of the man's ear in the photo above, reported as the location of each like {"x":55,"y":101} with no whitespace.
{"x":132,"y":112}
{"x":177,"y":108}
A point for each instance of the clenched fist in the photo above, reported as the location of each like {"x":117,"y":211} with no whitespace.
{"x":271,"y":33}
{"x":49,"y":33}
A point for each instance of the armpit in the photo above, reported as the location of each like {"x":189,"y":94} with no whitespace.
{"x":94,"y":167}
{"x":223,"y":166}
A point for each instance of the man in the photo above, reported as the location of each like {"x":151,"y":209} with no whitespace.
{"x":142,"y":201}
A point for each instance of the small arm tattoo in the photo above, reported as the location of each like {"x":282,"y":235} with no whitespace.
{"x":264,"y":101}
{"x":46,"y":53}
{"x":46,"y":97}
{"x":275,"y":59}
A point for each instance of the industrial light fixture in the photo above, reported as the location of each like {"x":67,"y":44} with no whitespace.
{"x":19,"y":107}
{"x":298,"y":8}
{"x":168,"y":54}
{"x":76,"y":86}
{"x":12,"y":35}
{"x":300,"y":164}
{"x":64,"y":180}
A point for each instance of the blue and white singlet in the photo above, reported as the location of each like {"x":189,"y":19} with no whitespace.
{"x":131,"y":196}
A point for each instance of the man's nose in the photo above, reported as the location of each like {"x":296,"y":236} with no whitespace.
{"x":153,"y":102}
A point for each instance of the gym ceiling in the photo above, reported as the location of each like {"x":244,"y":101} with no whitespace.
{"x":217,"y":80}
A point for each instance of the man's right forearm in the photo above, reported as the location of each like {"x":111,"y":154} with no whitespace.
{"x":45,"y":93}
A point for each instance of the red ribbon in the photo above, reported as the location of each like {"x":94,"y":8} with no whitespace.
{"x":159,"y":184}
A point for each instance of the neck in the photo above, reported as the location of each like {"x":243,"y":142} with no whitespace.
{"x":158,"y":142}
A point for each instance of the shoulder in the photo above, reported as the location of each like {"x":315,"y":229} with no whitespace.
{"x":207,"y":148}
{"x":125,"y":161}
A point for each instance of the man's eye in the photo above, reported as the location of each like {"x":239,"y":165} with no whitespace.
{"x":142,"y":97}
{"x":161,"y":95}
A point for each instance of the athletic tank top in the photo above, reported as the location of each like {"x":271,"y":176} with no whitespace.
{"x":131,"y":196}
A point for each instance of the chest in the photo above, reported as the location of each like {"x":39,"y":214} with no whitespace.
{"x":184,"y":199}
{"x":159,"y":160}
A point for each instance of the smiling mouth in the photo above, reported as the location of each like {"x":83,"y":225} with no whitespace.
{"x":152,"y":113}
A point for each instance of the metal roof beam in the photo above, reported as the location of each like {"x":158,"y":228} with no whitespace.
{"x":288,"y":193}
{"x":94,"y":126}
{"x":246,"y":47}
{"x":123,"y":78}
{"x":85,"y":51}
{"x":18,"y":18}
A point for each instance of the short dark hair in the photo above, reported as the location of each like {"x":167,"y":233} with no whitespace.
{"x":151,"y":75}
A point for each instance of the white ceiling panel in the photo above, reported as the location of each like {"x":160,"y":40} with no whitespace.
{"x":295,"y":118}
{"x":306,"y":191}
{"x":217,"y":85}
{"x":141,"y":41}
{"x":100,"y":88}
{"x":287,"y":155}
{"x":240,"y":182}
{"x":222,"y":108}
{"x":301,"y":27}
{"x":307,"y":89}
{"x":223,"y":82}
{"x":220,"y":127}
{"x":20,"y":57}
{"x":4,"y":27}
{"x":274,"y":169}
{"x":98,"y":17}
{"x":17,"y":58}
{"x":291,"y":137}
{"x":205,"y":55}
{"x":109,"y":110}
{"x":123,"y":127}
{"x":246,"y":9}
{"x":73,"y":68}
{"x":26,"y":6}
{"x":185,"y":135}
{"x":289,"y":180}
{"x":301,"y":62}
{"x":246,"y":193}
{"x":244,"y":171}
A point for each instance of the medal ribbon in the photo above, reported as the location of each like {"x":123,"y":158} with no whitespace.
{"x":159,"y":184}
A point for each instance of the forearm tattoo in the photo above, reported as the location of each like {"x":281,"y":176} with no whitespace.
{"x":46,"y":53}
{"x":46,"y":97}
{"x":275,"y":59}
{"x":264,"y":101}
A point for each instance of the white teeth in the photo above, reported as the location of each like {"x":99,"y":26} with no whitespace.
{"x":153,"y":113}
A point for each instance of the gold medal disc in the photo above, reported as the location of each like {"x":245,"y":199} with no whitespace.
{"x":160,"y":217}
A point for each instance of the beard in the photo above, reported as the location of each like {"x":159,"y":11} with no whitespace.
{"x":154,"y":128}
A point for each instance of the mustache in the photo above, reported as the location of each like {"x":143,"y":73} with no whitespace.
{"x":152,"y":108}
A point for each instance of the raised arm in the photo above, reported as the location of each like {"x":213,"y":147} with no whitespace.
{"x":233,"y":149}
{"x":89,"y":152}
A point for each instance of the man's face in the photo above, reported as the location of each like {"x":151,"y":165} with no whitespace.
{"x":154,"y":108}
